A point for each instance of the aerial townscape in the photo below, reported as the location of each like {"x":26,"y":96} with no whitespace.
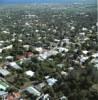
{"x":48,"y":52}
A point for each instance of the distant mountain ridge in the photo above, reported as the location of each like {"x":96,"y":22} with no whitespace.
{"x":49,"y":1}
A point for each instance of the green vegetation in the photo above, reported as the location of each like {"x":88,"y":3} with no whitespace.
{"x":55,"y":41}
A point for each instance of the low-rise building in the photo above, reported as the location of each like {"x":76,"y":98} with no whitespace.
{"x":4,"y":72}
{"x":14,"y":65}
{"x":33,"y":91}
{"x":30,"y":73}
{"x":3,"y":85}
{"x":51,"y":81}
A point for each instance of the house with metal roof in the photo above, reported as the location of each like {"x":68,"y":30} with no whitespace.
{"x":3,"y":93}
{"x":30,"y":73}
{"x":3,"y":85}
{"x":14,"y":65}
{"x":33,"y":91}
{"x":4,"y":72}
{"x":51,"y":81}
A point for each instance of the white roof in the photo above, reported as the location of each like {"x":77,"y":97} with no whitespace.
{"x":86,"y":38}
{"x":47,"y":54}
{"x":20,"y":40}
{"x":36,"y":30}
{"x":60,"y":65}
{"x":1,"y":50}
{"x":70,"y":68}
{"x":13,"y":39}
{"x":95,"y":61}
{"x":31,"y":15}
{"x":66,"y":40}
{"x":1,"y":41}
{"x":39,"y":49}
{"x":29,"y":73}
{"x":54,"y":30}
{"x":4,"y":72}
{"x":44,"y":55}
{"x":84,"y":29}
{"x":14,"y":65}
{"x":63,"y":98}
{"x":82,"y":33}
{"x":83,"y":58}
{"x":72,"y":28}
{"x":39,"y":38}
{"x":56,"y":40}
{"x":96,"y":66}
{"x":46,"y":77}
{"x":2,"y":93}
{"x":64,"y":73}
{"x":1,"y":57}
{"x":52,"y":52}
{"x":90,"y":31}
{"x":8,"y":47}
{"x":95,"y":55}
{"x":9,"y":57}
{"x":93,"y":27}
{"x":84,"y":51}
{"x":27,"y":24}
{"x":46,"y":97}
{"x":61,"y":49}
{"x":33,"y":91}
{"x":1,"y":44}
{"x":51,"y":81}
{"x":96,"y":23}
{"x":41,"y":85}
{"x":26,"y":46}
{"x":6,"y":32}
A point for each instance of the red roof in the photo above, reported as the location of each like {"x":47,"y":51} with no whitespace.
{"x":26,"y":54}
{"x":13,"y":96}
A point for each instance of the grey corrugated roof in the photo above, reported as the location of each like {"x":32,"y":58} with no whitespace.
{"x":14,"y":65}
{"x":4,"y":72}
{"x":3,"y":93}
{"x":33,"y":91}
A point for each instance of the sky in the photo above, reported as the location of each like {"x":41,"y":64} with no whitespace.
{"x":47,"y":1}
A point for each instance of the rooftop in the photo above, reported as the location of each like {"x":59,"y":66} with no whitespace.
{"x":4,"y":72}
{"x":33,"y":91}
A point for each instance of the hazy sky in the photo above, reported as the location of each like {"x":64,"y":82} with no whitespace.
{"x":47,"y":1}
